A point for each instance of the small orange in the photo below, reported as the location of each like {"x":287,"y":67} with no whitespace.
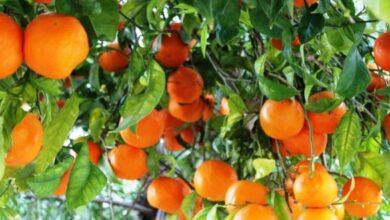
{"x":301,"y":3}
{"x":166,"y":194}
{"x":254,"y":211}
{"x":277,"y":43}
{"x":245,"y":192}
{"x":304,"y":166}
{"x":281,"y":120}
{"x":115,"y":59}
{"x":61,"y":189}
{"x":11,"y":46}
{"x":320,"y":213}
{"x":148,"y":131}
{"x":364,"y":200}
{"x":94,"y":152}
{"x":377,"y":82}
{"x":185,"y":85}
{"x":60,"y":103}
{"x":43,"y":1}
{"x":172,"y":52}
{"x":382,"y":51}
{"x":326,"y":122}
{"x":27,"y":139}
{"x":169,"y":121}
{"x":54,"y":45}
{"x":208,"y":111}
{"x":316,"y":190}
{"x":171,"y":142}
{"x":186,"y":112}
{"x":188,"y":134}
{"x":213,"y":178}
{"x":300,"y":143}
{"x":386,"y":126}
{"x":128,"y":162}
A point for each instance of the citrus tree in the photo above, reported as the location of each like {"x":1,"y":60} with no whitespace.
{"x":194,"y":109}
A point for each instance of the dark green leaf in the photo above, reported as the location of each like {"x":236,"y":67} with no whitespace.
{"x":106,"y":22}
{"x":310,"y":26}
{"x":275,"y":90}
{"x":323,"y":105}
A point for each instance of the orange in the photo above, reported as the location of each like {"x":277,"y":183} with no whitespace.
{"x":281,"y":120}
{"x":188,"y":135}
{"x":304,"y":166}
{"x":43,"y":1}
{"x":115,"y":59}
{"x":61,"y":189}
{"x":186,"y":112}
{"x":172,"y":52}
{"x":169,"y":121}
{"x":60,"y":103}
{"x":382,"y":51}
{"x":254,"y":211}
{"x":245,"y":192}
{"x":313,"y":214}
{"x":282,"y":148}
{"x":54,"y":45}
{"x":148,"y":131}
{"x":326,"y":122}
{"x":128,"y":162}
{"x":213,"y":178}
{"x":166,"y":194}
{"x":296,"y":208}
{"x":386,"y":126}
{"x":94,"y":152}
{"x":11,"y":46}
{"x":339,"y":210}
{"x":301,"y":3}
{"x":208,"y":111}
{"x":364,"y":200}
{"x":27,"y":137}
{"x":185,"y":85}
{"x":224,"y":108}
{"x":316,"y":190}
{"x":377,"y":82}
{"x":277,"y":43}
{"x":300,"y":143}
{"x":198,"y":201}
{"x":171,"y":142}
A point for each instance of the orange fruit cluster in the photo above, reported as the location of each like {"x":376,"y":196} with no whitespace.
{"x":285,"y":121}
{"x":115,"y":59}
{"x":53,"y":45}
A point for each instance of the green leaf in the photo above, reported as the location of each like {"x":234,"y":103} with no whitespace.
{"x":105,"y":23}
{"x":355,"y":77}
{"x":263,"y":167}
{"x":373,"y":166}
{"x":323,"y":105}
{"x":310,"y":25}
{"x":275,"y":90}
{"x":188,"y":204}
{"x":137,"y":107}
{"x":153,"y":13}
{"x":202,"y":214}
{"x":227,"y":16}
{"x":56,"y":132}
{"x":97,"y":120}
{"x":46,"y":183}
{"x":280,"y":207}
{"x":86,"y":180}
{"x":50,"y":86}
{"x":2,"y":148}
{"x":379,"y":8}
{"x":204,"y":35}
{"x":260,"y":64}
{"x":213,"y":213}
{"x":347,"y":138}
{"x":132,"y":7}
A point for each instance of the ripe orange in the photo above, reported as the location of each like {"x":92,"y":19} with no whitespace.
{"x":114,"y":60}
{"x":245,"y":192}
{"x":172,"y":52}
{"x":43,"y":1}
{"x":54,"y":45}
{"x":186,"y":112}
{"x":213,"y":178}
{"x":61,"y":189}
{"x":281,"y":120}
{"x":60,"y":103}
{"x":166,"y":194}
{"x":198,"y":201}
{"x":304,"y":166}
{"x":364,"y":200}
{"x":300,"y":143}
{"x":296,"y":208}
{"x":386,"y":126}
{"x":208,"y":111}
{"x":148,"y":131}
{"x":301,"y":3}
{"x":254,"y":211}
{"x":339,"y":210}
{"x":321,"y":213}
{"x":94,"y":152}
{"x":185,"y":85}
{"x":326,"y":122}
{"x":26,"y":141}
{"x":377,"y":82}
{"x":315,"y":191}
{"x":170,"y":141}
{"x":169,"y":121}
{"x":277,"y":43}
{"x":128,"y":162}
{"x":282,"y":148}
{"x":382,"y":51}
{"x":11,"y":46}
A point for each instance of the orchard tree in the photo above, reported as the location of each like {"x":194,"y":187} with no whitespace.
{"x":194,"y":109}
